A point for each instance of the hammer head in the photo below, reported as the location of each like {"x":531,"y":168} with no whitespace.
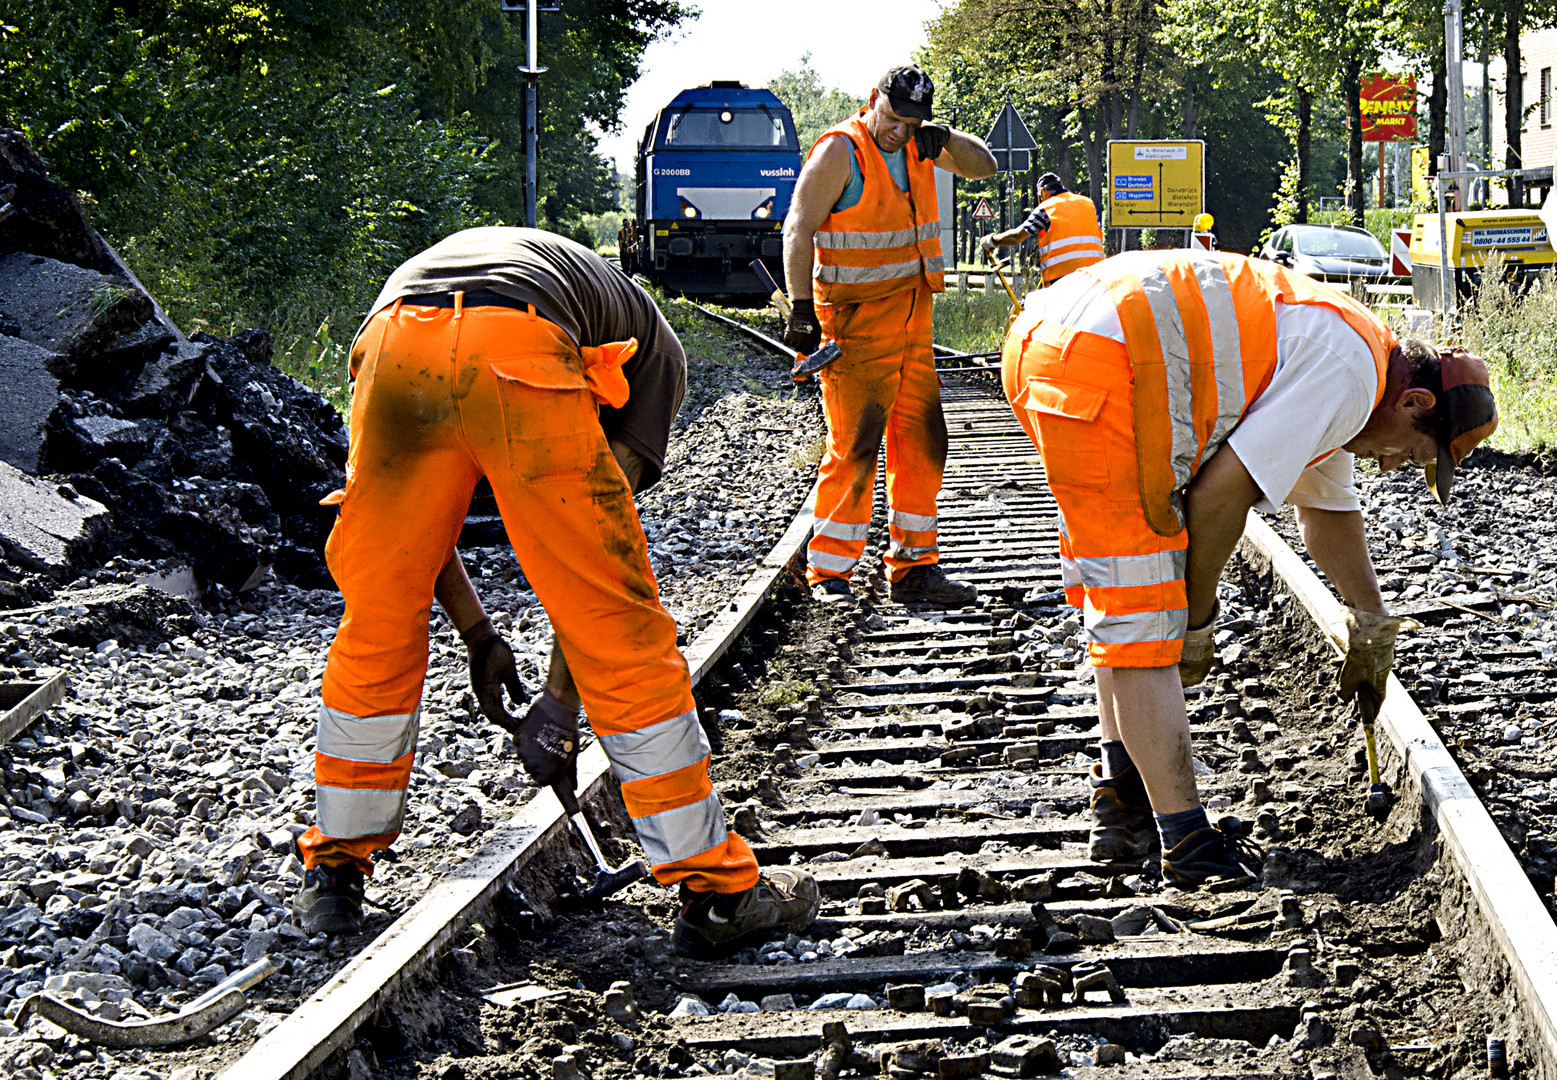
{"x":1380,"y":799}
{"x":610,"y":881}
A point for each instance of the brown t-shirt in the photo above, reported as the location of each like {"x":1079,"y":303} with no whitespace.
{"x":593,"y":302}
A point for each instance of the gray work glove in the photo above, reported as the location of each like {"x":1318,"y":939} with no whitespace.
{"x":1370,"y":651}
{"x":931,"y":140}
{"x":491,"y":672}
{"x":802,"y":332}
{"x":1199,"y":651}
{"x":547,"y":739}
{"x":987,"y":246}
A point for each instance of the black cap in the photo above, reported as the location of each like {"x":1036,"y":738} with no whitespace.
{"x":909,"y":91}
{"x":1050,"y":182}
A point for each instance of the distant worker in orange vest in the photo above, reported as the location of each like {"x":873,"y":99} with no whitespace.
{"x":862,"y":259}
{"x":1066,"y":226}
{"x":522,"y":357}
{"x":1168,"y":393}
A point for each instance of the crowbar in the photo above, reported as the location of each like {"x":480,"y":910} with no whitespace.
{"x":200,"y":1017}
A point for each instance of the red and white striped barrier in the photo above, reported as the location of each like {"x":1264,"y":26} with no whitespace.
{"x":1400,"y":252}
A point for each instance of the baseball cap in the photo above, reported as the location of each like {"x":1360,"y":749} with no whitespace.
{"x":1050,"y":182}
{"x":1469,"y":415}
{"x":909,"y":91}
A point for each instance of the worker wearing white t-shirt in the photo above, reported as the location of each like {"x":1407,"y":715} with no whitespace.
{"x":1168,"y":394}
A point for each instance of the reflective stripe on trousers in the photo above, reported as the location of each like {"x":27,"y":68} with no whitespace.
{"x":660,"y":766}
{"x":912,"y":538}
{"x":362,"y":767}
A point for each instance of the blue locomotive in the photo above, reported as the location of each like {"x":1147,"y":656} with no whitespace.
{"x":716,"y":169}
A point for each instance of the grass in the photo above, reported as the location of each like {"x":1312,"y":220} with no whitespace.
{"x":1515,"y":332}
{"x":973,"y":322}
{"x":809,"y":455}
{"x":785,"y":692}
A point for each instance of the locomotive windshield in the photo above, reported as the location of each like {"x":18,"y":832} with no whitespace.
{"x":727,"y":127}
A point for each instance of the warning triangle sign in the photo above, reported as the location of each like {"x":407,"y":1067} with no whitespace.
{"x":983,"y":211}
{"x":1010,"y":132}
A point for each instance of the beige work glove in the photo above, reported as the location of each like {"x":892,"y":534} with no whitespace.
{"x":1199,"y":651}
{"x":1370,"y":651}
{"x":987,"y":246}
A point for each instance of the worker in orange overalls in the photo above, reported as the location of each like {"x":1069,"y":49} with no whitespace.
{"x":1169,"y":392}
{"x":862,"y":259}
{"x":524,"y":358}
{"x":1067,"y":224}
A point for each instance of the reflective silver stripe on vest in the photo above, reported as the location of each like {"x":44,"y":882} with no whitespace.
{"x":1123,"y":571}
{"x":1071,"y":241}
{"x":930,"y":229}
{"x":1096,"y":253}
{"x":1225,"y":345}
{"x":896,"y":550}
{"x":658,"y":749}
{"x":912,"y":522}
{"x":681,"y":833}
{"x":841,"y":530}
{"x":379,"y":739}
{"x":1140,"y":626}
{"x":1070,"y":574}
{"x":345,"y":813}
{"x":935,"y":264}
{"x":826,"y":560}
{"x":864,"y":241}
{"x":861,"y":275}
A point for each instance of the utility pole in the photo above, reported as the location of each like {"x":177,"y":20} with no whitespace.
{"x":1454,"y":63}
{"x":531,"y":72}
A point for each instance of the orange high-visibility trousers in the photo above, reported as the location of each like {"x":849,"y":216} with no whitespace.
{"x":1071,"y":391}
{"x":445,"y":396}
{"x":885,"y":382}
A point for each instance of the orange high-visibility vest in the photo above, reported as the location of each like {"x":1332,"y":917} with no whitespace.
{"x":887,"y":242}
{"x":1072,"y":240}
{"x":1200,"y":328}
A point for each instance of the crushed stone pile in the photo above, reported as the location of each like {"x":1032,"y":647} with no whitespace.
{"x":122,"y":437}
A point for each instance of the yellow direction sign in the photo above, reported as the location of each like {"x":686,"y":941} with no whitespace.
{"x":1159,"y":184}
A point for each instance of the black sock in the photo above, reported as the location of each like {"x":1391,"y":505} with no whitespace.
{"x":1175,"y":827}
{"x":1116,"y":759}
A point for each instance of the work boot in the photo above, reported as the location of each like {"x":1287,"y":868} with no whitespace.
{"x":833,"y":590}
{"x":1123,"y":829}
{"x":1216,"y":858}
{"x":330,"y":901}
{"x":711,"y":925}
{"x":930,"y":585}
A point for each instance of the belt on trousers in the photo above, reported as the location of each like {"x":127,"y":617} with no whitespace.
{"x":473,"y":298}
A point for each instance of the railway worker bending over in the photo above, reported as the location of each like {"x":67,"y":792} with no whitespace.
{"x":1169,"y":392}
{"x":525,"y":358}
{"x":1068,"y":225}
{"x":862,"y":259}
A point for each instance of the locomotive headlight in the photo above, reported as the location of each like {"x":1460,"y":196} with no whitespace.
{"x":726,"y":116}
{"x":688,"y":210}
{"x":765,"y":210}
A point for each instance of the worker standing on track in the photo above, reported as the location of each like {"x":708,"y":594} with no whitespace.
{"x":1169,"y":393}
{"x":1067,"y":225}
{"x":525,"y":358}
{"x":862,"y":258}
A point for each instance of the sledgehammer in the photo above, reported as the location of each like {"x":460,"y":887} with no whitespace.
{"x":805,"y":366}
{"x":1379,"y":798}
{"x":608,"y":878}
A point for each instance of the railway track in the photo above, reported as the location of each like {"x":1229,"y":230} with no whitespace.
{"x":930,"y":769}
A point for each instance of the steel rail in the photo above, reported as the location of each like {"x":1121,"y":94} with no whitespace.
{"x":328,"y":1021}
{"x":942,"y":352}
{"x":1513,"y":912}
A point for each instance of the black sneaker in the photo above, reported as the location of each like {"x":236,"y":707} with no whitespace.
{"x":783,"y":901}
{"x":1123,"y":829}
{"x":833,"y":590}
{"x":330,"y":901}
{"x":930,"y":585}
{"x":1216,"y":858}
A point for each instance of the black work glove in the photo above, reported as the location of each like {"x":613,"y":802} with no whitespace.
{"x":547,"y":740}
{"x":491,"y":671}
{"x":931,"y":140}
{"x":803,"y":333}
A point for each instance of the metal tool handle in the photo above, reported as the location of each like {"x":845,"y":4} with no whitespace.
{"x":253,"y":975}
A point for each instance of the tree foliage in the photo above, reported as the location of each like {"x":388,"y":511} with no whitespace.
{"x":269,"y":161}
{"x":814,"y":107}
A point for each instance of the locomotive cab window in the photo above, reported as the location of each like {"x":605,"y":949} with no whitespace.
{"x":727,"y":127}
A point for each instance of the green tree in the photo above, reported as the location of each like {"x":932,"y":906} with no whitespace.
{"x":814,"y":107}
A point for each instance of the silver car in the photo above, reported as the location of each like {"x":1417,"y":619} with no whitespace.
{"x":1328,"y":252}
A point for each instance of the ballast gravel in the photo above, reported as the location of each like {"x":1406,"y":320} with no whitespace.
{"x":147,"y":822}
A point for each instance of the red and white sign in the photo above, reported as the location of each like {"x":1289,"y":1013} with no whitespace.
{"x":1205,"y":240}
{"x":1388,"y":108}
{"x":1400,"y":252}
{"x":983,"y":211}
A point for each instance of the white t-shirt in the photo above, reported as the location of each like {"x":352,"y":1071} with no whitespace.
{"x":1324,"y":375}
